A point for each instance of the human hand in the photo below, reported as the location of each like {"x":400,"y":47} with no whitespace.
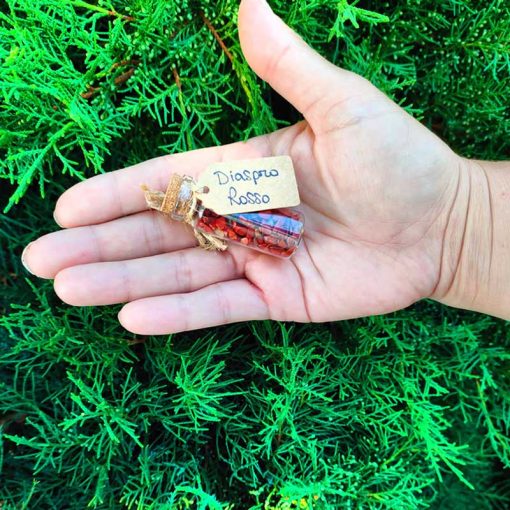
{"x":377,"y":192}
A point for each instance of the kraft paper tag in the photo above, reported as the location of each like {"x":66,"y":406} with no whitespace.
{"x":249,"y":185}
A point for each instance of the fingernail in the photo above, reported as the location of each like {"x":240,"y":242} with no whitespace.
{"x":56,"y":220}
{"x":23,"y":257}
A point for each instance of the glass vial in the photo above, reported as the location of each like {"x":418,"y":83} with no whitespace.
{"x":275,"y":231}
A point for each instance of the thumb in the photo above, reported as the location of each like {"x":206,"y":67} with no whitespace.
{"x":297,"y":72}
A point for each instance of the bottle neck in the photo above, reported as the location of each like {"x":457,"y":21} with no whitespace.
{"x":185,"y":205}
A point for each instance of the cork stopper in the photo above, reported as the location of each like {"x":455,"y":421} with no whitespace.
{"x":179,"y":200}
{"x":173,"y":191}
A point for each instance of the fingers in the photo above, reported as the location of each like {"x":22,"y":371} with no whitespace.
{"x":119,"y":282}
{"x":115,"y":194}
{"x":135,"y":236}
{"x":221,"y":303}
{"x":297,"y":72}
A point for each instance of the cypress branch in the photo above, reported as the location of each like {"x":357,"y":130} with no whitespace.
{"x":404,"y":411}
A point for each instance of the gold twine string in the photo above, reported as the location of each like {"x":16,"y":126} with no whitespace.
{"x":168,"y":203}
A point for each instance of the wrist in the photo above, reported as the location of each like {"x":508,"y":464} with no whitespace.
{"x":474,"y":270}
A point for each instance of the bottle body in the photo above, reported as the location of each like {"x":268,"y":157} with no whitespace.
{"x":274,"y":231}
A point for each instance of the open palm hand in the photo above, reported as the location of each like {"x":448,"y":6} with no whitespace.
{"x":376,"y":188}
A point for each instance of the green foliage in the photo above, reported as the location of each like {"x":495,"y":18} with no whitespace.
{"x":405,"y":411}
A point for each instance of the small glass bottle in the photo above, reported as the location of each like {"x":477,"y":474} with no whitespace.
{"x":275,"y":231}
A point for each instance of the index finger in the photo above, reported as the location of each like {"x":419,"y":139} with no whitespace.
{"x":115,"y":194}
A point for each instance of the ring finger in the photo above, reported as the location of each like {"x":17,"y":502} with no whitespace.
{"x":120,"y":282}
{"x":131,"y":237}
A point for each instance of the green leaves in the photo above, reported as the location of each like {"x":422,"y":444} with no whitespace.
{"x":77,"y":76}
{"x":349,"y":12}
{"x":399,"y":412}
{"x":201,"y":390}
{"x":370,"y":412}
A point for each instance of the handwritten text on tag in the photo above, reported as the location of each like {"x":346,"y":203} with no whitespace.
{"x":249,"y":185}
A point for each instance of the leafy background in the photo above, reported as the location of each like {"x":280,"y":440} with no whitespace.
{"x":409,"y":410}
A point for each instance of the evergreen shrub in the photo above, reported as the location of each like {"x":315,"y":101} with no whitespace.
{"x":404,"y":411}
